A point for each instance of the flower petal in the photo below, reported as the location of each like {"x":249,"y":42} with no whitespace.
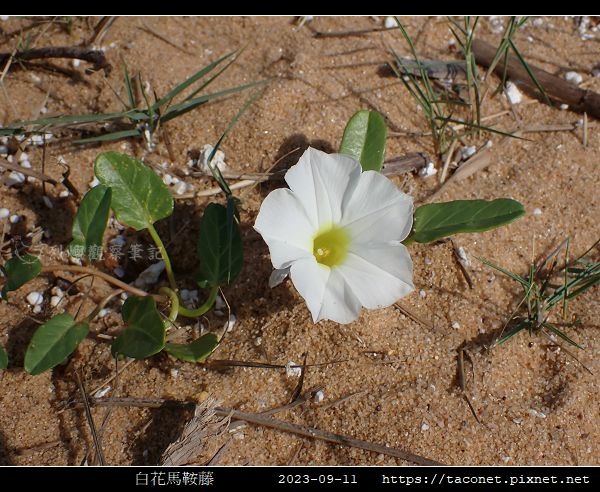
{"x":376,"y":210}
{"x":283,"y":224}
{"x":278,"y":276}
{"x":325,"y":292}
{"x":320,"y":180}
{"x":378,"y":274}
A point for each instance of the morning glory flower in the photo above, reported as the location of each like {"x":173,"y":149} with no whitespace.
{"x":339,"y":230}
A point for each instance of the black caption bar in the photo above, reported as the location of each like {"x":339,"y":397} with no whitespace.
{"x":154,"y":479}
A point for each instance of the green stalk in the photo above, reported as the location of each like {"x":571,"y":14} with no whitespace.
{"x":194,"y":313}
{"x":174,"y":302}
{"x":165,"y":256}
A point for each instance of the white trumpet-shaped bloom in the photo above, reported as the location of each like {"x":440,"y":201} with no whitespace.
{"x":338,"y":232}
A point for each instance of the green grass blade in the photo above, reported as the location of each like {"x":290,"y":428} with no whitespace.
{"x":108,"y":137}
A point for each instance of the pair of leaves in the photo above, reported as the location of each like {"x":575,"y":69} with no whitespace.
{"x":145,"y":334}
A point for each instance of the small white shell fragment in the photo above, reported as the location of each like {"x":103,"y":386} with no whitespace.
{"x":104,"y":312}
{"x":230,"y":322}
{"x":37,"y":309}
{"x":75,"y":62}
{"x":74,"y":261}
{"x":513,"y":94}
{"x":56,"y":291}
{"x":218,"y":160}
{"x":537,"y":211}
{"x":64,"y":193}
{"x":180,"y":188}
{"x":118,"y":241}
{"x":4,"y":213}
{"x":174,"y":372}
{"x":424,"y":427}
{"x":462,"y":254}
{"x":94,"y":182}
{"x":14,"y":219}
{"x":258,"y":341}
{"x":35,"y":298}
{"x":390,"y":22}
{"x":124,"y":296}
{"x":55,"y":301}
{"x":422,"y":294}
{"x":535,"y":413}
{"x":35,"y":78}
{"x":468,"y":152}
{"x":150,"y":275}
{"x":23,"y":157}
{"x":167,"y":179}
{"x":278,"y":276}
{"x":47,"y":201}
{"x":291,"y":371}
{"x":318,"y":397}
{"x":455,"y":325}
{"x":428,"y":171}
{"x":15,"y":178}
{"x":119,"y":272}
{"x":26,"y":164}
{"x":175,"y":180}
{"x":564,"y":106}
{"x":573,"y":77}
{"x":102,"y":392}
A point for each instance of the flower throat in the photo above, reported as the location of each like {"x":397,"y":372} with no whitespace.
{"x":330,"y":246}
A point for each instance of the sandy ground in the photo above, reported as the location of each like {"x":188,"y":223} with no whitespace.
{"x":535,"y":404}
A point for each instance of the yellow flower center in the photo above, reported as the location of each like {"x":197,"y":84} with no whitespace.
{"x":330,"y":246}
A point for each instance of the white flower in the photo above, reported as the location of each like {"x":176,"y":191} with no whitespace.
{"x":338,"y":231}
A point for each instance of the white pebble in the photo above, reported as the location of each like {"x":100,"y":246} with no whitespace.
{"x":175,"y":180}
{"x":4,"y":213}
{"x":104,"y":312}
{"x":574,"y":77}
{"x":35,"y":78}
{"x":14,"y":219}
{"x":102,"y":392}
{"x":318,"y":397}
{"x":15,"y":178}
{"x":462,"y":254}
{"x":428,"y":261}
{"x":512,"y":92}
{"x":455,"y":325}
{"x":537,"y":211}
{"x":124,"y":296}
{"x":74,"y":261}
{"x":564,"y":106}
{"x":64,"y":194}
{"x":218,"y":159}
{"x":424,"y":427}
{"x":150,"y":275}
{"x":75,"y":62}
{"x":427,"y":171}
{"x":35,"y":298}
{"x":24,"y":158}
{"x":180,"y":188}
{"x":37,"y":309}
{"x":119,"y":272}
{"x":390,"y":22}
{"x":26,"y":164}
{"x":257,"y":341}
{"x":167,"y":179}
{"x":94,"y":182}
{"x":55,"y":301}
{"x":184,"y":294}
{"x":292,"y":370}
{"x":533,"y":412}
{"x":422,"y":294}
{"x":174,"y":372}
{"x":468,"y":152}
{"x":231,"y":322}
{"x":219,"y":303}
{"x":56,"y":291}
{"x":47,"y":201}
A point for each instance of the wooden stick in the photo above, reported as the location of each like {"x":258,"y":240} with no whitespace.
{"x":258,"y":419}
{"x":96,"y":57}
{"x":559,"y":90}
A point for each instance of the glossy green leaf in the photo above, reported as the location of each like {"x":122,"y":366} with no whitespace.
{"x":197,"y":351}
{"x":438,"y":220}
{"x":145,"y":332}
{"x":3,"y":358}
{"x":18,"y":271}
{"x":53,"y":342}
{"x":219,"y":247}
{"x":139,"y":197}
{"x":364,"y":139}
{"x":90,"y":223}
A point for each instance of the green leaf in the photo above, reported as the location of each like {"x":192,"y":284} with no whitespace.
{"x":18,"y":271}
{"x":145,"y":332}
{"x":139,"y":197}
{"x":364,"y":139}
{"x":90,"y":223}
{"x":438,"y":220}
{"x":53,"y":342}
{"x":197,"y":351}
{"x":219,"y":247}
{"x":3,"y":358}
